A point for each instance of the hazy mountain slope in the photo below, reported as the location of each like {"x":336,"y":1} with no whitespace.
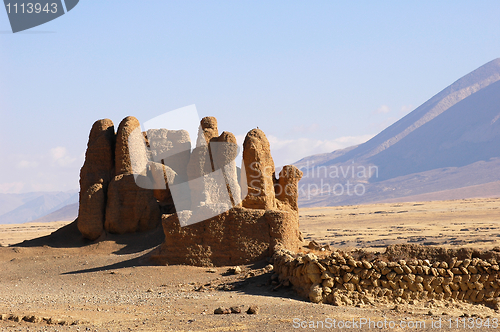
{"x":439,"y":179}
{"x":458,"y":91}
{"x":467,"y":132}
{"x":66,"y":213}
{"x":9,"y":202}
{"x":485,"y":190}
{"x":449,"y":142}
{"x":38,"y":207}
{"x":322,"y":158}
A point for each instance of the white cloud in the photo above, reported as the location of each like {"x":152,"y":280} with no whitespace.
{"x":384,"y":109}
{"x":59,"y":155}
{"x":291,"y":150}
{"x":58,"y":152}
{"x":51,"y":170}
{"x":11,"y":188}
{"x":288,"y":151}
{"x":27,"y":164}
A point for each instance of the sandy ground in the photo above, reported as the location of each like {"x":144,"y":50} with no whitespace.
{"x":457,"y":223}
{"x":111,"y":285}
{"x":16,"y":233}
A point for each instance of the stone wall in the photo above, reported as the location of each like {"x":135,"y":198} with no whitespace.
{"x":343,"y":279}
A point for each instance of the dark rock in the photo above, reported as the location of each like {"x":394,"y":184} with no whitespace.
{"x":235,"y":310}
{"x":253,"y":310}
{"x":222,"y":311}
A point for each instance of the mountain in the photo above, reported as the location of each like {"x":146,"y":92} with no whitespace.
{"x":451,"y":141}
{"x":9,"y":202}
{"x":66,"y":213}
{"x":36,"y":206}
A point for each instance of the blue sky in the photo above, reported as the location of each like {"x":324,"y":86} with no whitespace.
{"x":314,"y":75}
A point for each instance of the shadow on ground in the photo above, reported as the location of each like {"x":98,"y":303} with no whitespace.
{"x":70,"y":237}
{"x":256,"y":281}
{"x":143,"y":260}
{"x":260,"y":284}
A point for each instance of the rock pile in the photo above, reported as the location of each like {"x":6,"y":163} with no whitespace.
{"x":38,"y":319}
{"x":340,"y":279}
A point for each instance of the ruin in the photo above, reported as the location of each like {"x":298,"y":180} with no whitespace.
{"x":212,"y":213}
{"x":110,"y":200}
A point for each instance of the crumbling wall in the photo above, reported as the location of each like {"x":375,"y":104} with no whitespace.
{"x":212,"y":213}
{"x":95,"y":175}
{"x":341,"y":279}
{"x":110,"y":199}
{"x":249,"y":228}
{"x":238,"y":236}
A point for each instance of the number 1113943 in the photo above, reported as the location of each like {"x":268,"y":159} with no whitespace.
{"x":31,"y":8}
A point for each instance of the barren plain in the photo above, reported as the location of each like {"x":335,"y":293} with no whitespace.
{"x":60,"y":282}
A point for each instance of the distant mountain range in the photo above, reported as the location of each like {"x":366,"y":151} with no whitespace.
{"x":451,"y":141}
{"x":29,"y":207}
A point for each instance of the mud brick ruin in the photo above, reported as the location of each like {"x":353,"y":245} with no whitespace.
{"x":244,"y":216}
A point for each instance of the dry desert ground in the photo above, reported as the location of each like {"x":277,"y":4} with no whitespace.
{"x":59,"y":282}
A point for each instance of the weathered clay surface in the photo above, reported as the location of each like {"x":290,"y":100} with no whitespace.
{"x":205,"y":190}
{"x":129,"y":136}
{"x":171,"y":148}
{"x":259,"y":170}
{"x":95,"y":176}
{"x":238,"y":236}
{"x":130,"y":208}
{"x":91,"y":211}
{"x":224,"y":151}
{"x":163,"y":177}
{"x":207,"y":184}
{"x":156,"y":173}
{"x":287,"y":190}
{"x":209,"y":126}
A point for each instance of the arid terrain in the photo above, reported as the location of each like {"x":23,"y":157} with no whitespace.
{"x":457,"y":223}
{"x":16,"y":233}
{"x":66,"y":284}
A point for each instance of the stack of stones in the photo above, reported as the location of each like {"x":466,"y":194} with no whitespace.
{"x":340,"y":279}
